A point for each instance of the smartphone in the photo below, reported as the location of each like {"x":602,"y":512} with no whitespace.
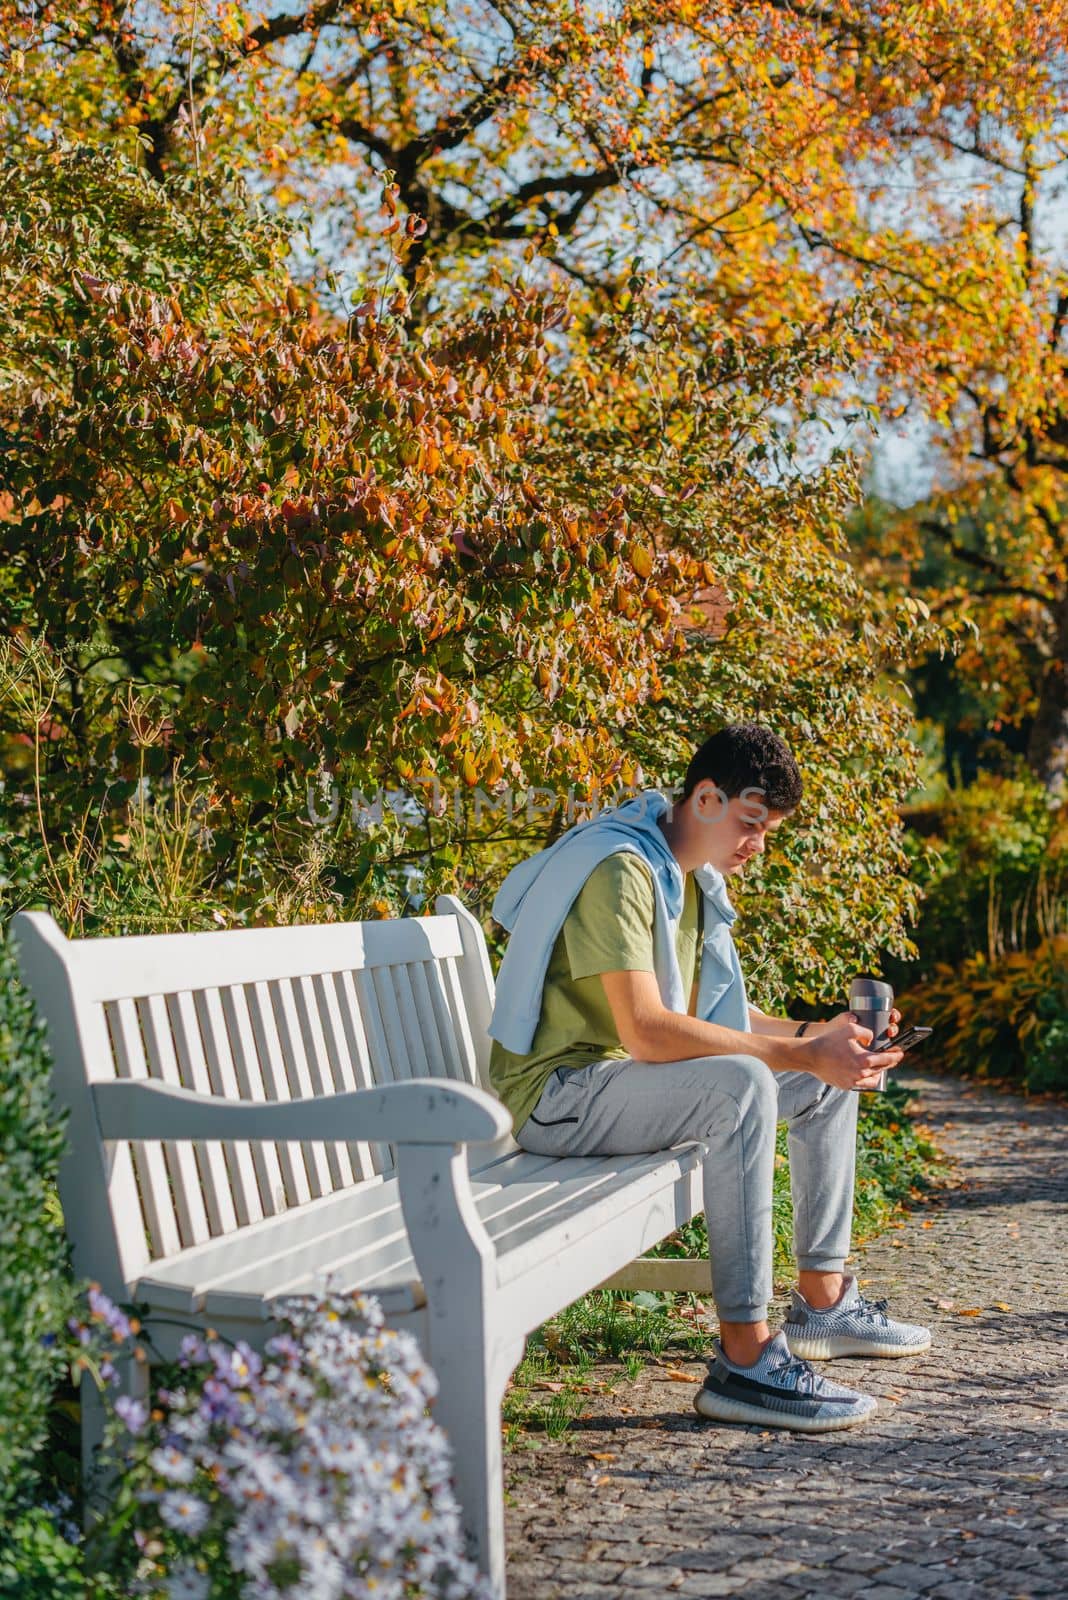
{"x":905,"y":1040}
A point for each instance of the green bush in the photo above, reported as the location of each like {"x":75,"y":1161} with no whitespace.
{"x":35,"y":1291}
{"x":1003,"y":1018}
{"x":997,"y":879}
{"x":38,"y":1561}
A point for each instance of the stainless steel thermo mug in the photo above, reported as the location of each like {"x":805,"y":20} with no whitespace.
{"x":871,"y":1002}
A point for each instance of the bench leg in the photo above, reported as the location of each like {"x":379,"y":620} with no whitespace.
{"x":91,"y":1404}
{"x":96,"y":1491}
{"x":471,"y":1383}
{"x":470,"y":1351}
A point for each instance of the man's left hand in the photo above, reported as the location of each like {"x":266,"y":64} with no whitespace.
{"x":843,"y":1019}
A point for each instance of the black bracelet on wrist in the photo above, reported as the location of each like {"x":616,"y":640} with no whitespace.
{"x":801,"y":1029}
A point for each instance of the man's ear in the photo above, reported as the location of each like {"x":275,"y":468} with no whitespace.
{"x":706,"y":794}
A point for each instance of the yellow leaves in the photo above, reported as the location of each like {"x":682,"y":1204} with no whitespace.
{"x":641,"y":558}
{"x":494,"y":769}
{"x":507,"y":445}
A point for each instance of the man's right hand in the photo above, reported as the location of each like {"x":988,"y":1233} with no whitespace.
{"x":839,"y":1056}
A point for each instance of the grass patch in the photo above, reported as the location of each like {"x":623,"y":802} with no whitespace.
{"x":896,"y":1163}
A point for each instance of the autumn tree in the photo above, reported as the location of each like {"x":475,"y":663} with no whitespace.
{"x":533,"y":544}
{"x":771,"y":158}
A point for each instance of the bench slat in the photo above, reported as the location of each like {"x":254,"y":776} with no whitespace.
{"x":428,"y":981}
{"x":161,"y":963}
{"x":367,"y":1040}
{"x":244,"y":1187}
{"x":182,"y":1161}
{"x":298,"y":1073}
{"x":377,"y":988}
{"x":276,"y":1087}
{"x":193,"y":1072}
{"x":421,"y":1048}
{"x":345,"y":1064}
{"x":420,"y":1021}
{"x":250,"y":1087}
{"x":320,"y":1072}
{"x":150,"y":1162}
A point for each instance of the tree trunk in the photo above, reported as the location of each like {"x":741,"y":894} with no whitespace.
{"x":1047,"y":749}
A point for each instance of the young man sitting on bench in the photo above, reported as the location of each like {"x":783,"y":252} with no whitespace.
{"x":621,"y":1025}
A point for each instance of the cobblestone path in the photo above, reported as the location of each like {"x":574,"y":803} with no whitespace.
{"x":957,"y":1487}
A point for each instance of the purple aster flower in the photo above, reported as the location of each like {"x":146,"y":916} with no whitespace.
{"x":218,"y":1403}
{"x":133,"y":1413}
{"x":102,"y":1307}
{"x":193,"y":1349}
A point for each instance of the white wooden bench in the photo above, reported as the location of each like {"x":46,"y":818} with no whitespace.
{"x":253,"y":1110}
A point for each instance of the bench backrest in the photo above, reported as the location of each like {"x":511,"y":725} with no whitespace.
{"x":256,"y":1014}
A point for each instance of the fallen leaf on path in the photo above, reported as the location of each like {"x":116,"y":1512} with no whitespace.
{"x":677,"y":1376}
{"x":602,"y":1455}
{"x":999,"y":1305}
{"x":969,"y":1311}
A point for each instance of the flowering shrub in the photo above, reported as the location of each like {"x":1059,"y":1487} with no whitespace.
{"x":313,"y":1471}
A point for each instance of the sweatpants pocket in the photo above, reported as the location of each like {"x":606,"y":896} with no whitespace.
{"x":556,"y":1114}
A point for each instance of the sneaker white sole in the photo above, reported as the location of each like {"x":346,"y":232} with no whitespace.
{"x":719,"y":1409}
{"x":825,"y":1349}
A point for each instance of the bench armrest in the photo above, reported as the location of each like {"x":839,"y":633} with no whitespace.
{"x":419,"y":1111}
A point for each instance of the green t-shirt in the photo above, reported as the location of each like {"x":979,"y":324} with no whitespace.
{"x":609,"y":928}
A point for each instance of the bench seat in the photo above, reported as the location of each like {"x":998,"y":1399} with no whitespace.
{"x":532,"y":1207}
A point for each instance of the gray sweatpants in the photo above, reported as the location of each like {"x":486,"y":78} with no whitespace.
{"x":731,"y":1103}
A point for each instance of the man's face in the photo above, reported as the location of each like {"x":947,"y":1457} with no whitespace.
{"x":735,"y":829}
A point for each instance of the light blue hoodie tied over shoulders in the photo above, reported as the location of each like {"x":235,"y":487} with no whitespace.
{"x":536,"y":896}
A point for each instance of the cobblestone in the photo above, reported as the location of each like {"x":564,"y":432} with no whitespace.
{"x":957,"y":1489}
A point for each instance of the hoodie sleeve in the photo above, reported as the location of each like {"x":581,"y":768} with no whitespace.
{"x":610,"y":925}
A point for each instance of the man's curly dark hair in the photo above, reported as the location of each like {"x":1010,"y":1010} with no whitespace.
{"x":746,"y":755}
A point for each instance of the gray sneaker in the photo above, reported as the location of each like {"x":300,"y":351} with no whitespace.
{"x":854,"y":1327}
{"x":778,"y":1391}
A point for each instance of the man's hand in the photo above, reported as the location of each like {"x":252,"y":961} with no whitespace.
{"x":838,"y":1053}
{"x":845,"y":1017}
